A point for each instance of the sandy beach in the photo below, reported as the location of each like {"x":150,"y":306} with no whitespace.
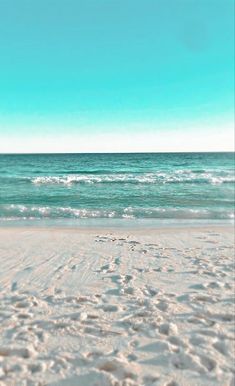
{"x":117,"y":307}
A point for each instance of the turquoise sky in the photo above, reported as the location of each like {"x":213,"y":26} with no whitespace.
{"x":116,"y":71}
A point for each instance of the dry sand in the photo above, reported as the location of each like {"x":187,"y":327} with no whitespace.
{"x":117,"y":307}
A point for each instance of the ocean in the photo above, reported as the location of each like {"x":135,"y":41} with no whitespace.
{"x":173,"y":186}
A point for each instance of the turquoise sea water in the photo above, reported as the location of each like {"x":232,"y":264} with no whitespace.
{"x":121,"y":186}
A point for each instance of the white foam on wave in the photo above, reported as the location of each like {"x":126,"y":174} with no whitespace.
{"x":34,"y":212}
{"x":178,"y":176}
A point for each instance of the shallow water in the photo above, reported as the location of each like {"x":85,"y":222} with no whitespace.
{"x":132,"y":186}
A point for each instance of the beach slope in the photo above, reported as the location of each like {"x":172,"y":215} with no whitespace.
{"x":117,"y":307}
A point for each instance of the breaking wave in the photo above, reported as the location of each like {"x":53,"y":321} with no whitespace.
{"x":180,"y":176}
{"x":36,"y":212}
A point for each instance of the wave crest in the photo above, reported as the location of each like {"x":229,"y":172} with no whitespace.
{"x":37,"y":212}
{"x":180,"y":176}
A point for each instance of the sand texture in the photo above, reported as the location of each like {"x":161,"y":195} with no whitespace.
{"x":117,"y":307}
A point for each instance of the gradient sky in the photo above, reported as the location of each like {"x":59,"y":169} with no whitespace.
{"x":108,"y":75}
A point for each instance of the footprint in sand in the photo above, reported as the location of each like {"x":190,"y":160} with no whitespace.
{"x":14,"y":286}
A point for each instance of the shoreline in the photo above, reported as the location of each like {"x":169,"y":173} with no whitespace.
{"x":138,"y":231}
{"x":116,"y":224}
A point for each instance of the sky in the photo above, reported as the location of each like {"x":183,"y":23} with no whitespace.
{"x":113,"y":76}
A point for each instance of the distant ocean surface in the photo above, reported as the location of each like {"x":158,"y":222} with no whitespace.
{"x":122,"y":186}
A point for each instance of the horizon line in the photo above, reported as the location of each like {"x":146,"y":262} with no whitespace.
{"x":125,"y":152}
